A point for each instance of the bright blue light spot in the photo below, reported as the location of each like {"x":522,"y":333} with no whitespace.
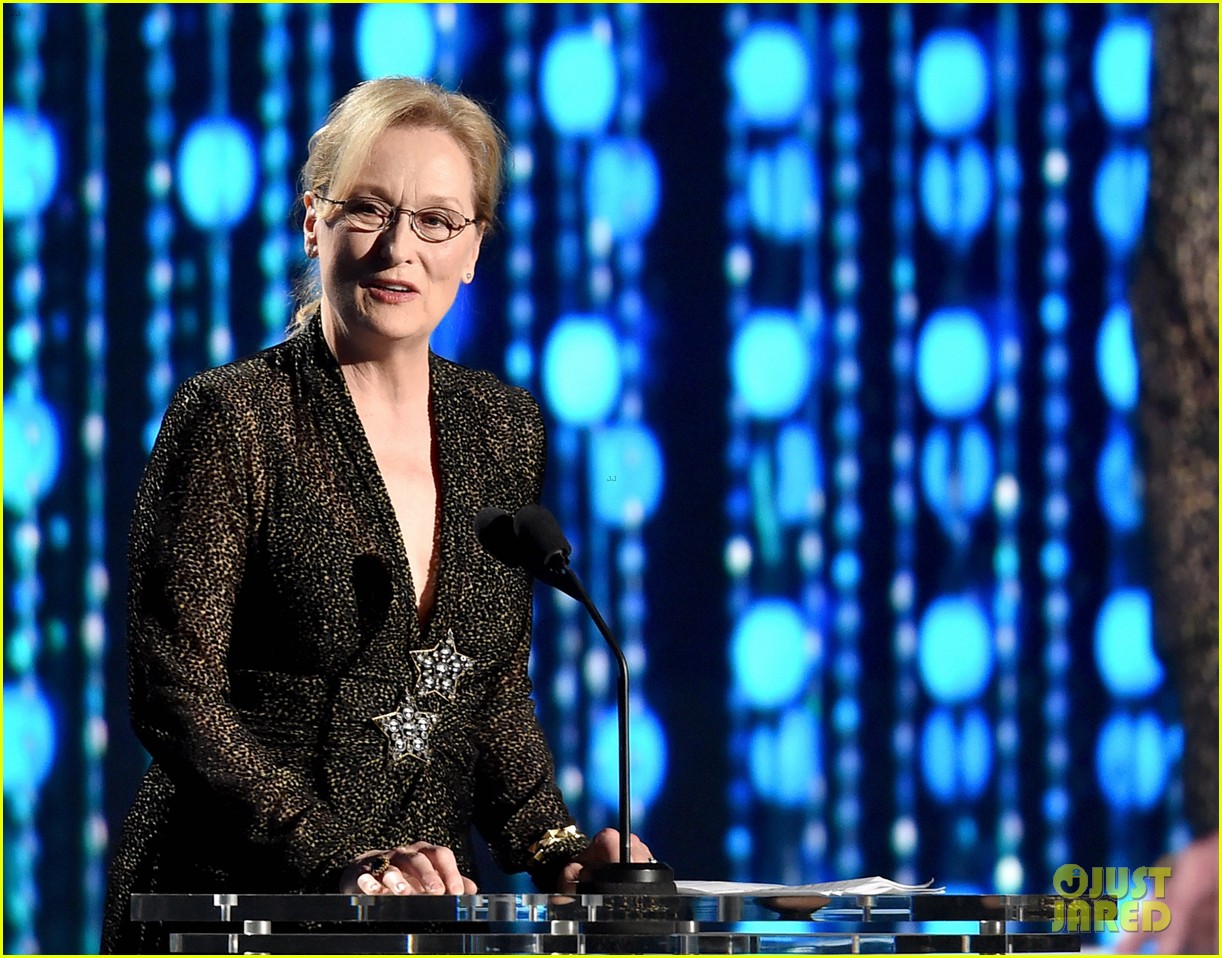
{"x":799,"y":472}
{"x":1121,"y":185}
{"x":955,"y":649}
{"x":31,"y":451}
{"x":623,"y":187}
{"x":29,"y":734}
{"x":1118,"y":480}
{"x":395,"y":39}
{"x":798,"y":769}
{"x":938,"y":741}
{"x":770,"y":74}
{"x":770,"y":654}
{"x":975,"y":758}
{"x":783,"y":191}
{"x":1116,"y":359}
{"x":952,"y":82}
{"x":1131,"y":760}
{"x":1122,"y":72}
{"x":579,"y":82}
{"x":957,"y":474}
{"x":770,"y":364}
{"x":956,"y":189}
{"x":648,"y":765}
{"x":1124,"y":645}
{"x":626,"y":474}
{"x":31,"y":163}
{"x":846,"y":570}
{"x":216,"y":172}
{"x":581,"y":369}
{"x":954,"y":368}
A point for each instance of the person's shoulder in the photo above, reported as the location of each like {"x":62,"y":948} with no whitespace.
{"x":251,"y":381}
{"x":485,"y":393}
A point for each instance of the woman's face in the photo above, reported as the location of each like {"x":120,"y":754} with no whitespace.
{"x":393,"y":284}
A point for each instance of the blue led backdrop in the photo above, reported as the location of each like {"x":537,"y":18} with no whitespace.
{"x":826,"y":309}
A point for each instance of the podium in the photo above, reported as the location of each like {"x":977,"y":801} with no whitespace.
{"x":481,"y":924}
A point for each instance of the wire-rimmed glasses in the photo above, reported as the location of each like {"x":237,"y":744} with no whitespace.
{"x":436,"y":224}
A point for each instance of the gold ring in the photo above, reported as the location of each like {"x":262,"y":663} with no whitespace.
{"x":379,"y":866}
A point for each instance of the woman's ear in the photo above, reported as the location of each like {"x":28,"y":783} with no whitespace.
{"x":309,"y":224}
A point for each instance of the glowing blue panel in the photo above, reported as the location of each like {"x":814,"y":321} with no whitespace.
{"x":956,"y":189}
{"x":581,"y":369}
{"x":975,"y":753}
{"x":957,"y":472}
{"x":938,"y":747}
{"x":216,"y":172}
{"x":1122,"y":72}
{"x":1118,"y":480}
{"x":31,"y":163}
{"x":799,"y":472}
{"x":762,"y":762}
{"x":626,"y":474}
{"x":770,"y":364}
{"x":579,"y":82}
{"x":1116,"y":359}
{"x":783,"y":191}
{"x":770,"y":653}
{"x":29,"y":735}
{"x":954,"y":366}
{"x":770,"y":74}
{"x":32,"y":451}
{"x":954,"y":649}
{"x":450,"y":336}
{"x":395,"y":39}
{"x":622,"y":187}
{"x":952,"y":82}
{"x":1121,"y":185}
{"x":1124,"y":645}
{"x":648,"y":768}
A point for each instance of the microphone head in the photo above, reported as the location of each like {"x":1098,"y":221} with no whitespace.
{"x":542,"y":545}
{"x":495,"y":530}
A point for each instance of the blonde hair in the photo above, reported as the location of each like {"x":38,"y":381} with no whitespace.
{"x":371,"y":108}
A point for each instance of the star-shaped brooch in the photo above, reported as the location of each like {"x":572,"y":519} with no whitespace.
{"x":441,"y":668}
{"x":407,"y":729}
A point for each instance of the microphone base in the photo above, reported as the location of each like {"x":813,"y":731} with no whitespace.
{"x":630,"y":878}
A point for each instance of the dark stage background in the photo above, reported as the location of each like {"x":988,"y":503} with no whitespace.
{"x":826,"y":308}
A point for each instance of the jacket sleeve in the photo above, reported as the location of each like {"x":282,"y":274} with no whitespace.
{"x":197,"y":512}
{"x":517,"y":796}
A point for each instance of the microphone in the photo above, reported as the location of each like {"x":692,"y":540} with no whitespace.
{"x":538,"y":544}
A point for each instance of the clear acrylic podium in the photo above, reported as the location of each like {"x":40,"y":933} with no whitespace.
{"x":602,"y":924}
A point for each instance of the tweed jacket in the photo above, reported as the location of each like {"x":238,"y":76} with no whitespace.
{"x":296,"y":710}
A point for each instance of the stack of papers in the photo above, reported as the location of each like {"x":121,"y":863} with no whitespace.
{"x":829,"y":889}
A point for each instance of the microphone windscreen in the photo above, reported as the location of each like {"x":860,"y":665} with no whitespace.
{"x":540,"y":539}
{"x":495,"y":531}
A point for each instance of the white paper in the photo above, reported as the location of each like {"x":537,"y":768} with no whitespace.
{"x":852,"y":886}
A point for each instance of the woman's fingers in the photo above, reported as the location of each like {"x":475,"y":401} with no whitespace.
{"x":416,"y":869}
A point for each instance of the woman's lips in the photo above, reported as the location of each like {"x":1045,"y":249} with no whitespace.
{"x":392,"y":292}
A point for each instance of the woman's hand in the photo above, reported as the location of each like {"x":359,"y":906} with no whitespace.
{"x":604,"y":847}
{"x":415,"y":869}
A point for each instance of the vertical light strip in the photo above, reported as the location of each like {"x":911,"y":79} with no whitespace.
{"x":277,"y":193}
{"x":906,"y":309}
{"x":1007,"y":408}
{"x":846,"y":523}
{"x":24,"y":537}
{"x":321,"y":41}
{"x":159,"y":225}
{"x":1055,"y":317}
{"x":520,"y":200}
{"x":220,"y":335}
{"x":739,"y":553}
{"x":445,"y":22}
{"x":811,"y":552}
{"x":96,"y":585}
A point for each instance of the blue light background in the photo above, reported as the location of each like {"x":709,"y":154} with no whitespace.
{"x":663,"y":189}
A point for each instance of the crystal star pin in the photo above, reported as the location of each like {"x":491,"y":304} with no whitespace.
{"x":441,"y":668}
{"x":407,"y":728}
